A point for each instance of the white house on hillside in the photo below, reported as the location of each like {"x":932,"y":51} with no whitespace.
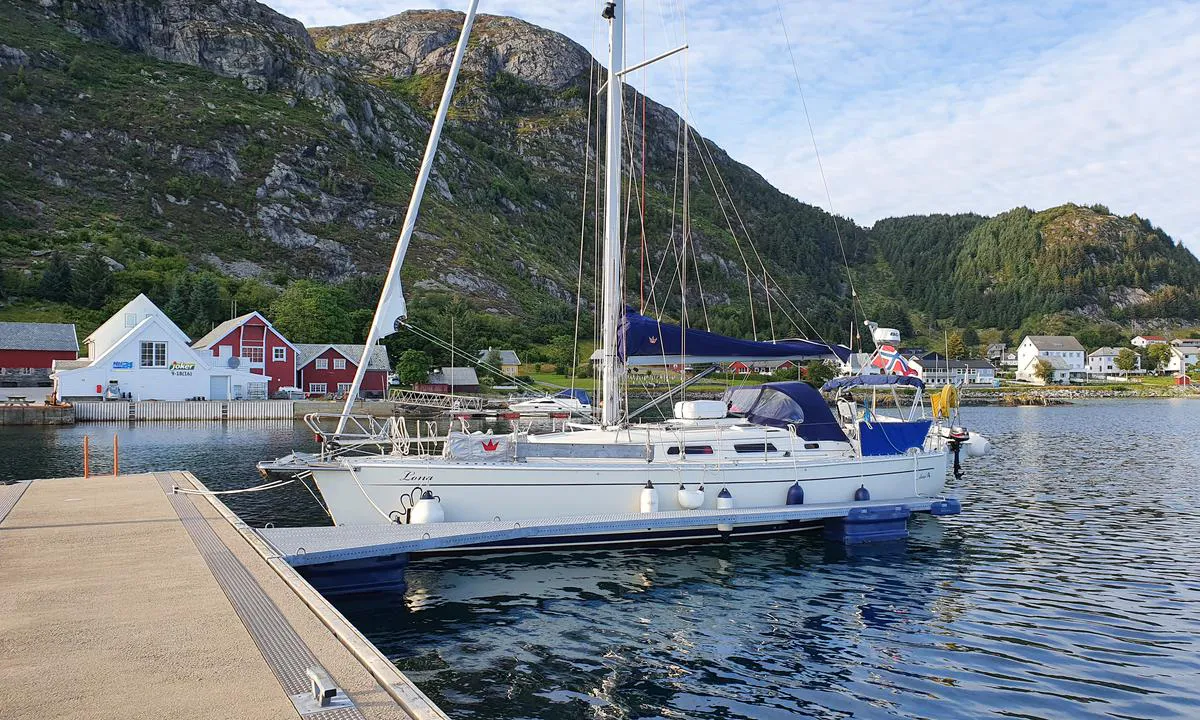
{"x":140,"y":354}
{"x":1183,"y":357}
{"x":1145,"y":341}
{"x":1063,"y":352}
{"x":1103,"y":361}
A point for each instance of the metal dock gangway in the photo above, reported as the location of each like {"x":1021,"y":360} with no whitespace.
{"x":850,"y":522}
{"x":437,"y":401}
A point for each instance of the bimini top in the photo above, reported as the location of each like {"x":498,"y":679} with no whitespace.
{"x":577,"y":393}
{"x":646,"y":341}
{"x":782,"y":404}
{"x":858,"y":380}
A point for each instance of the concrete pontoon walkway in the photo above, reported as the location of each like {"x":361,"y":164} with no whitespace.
{"x":121,"y":600}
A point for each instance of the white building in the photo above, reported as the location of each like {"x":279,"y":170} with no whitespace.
{"x":935,"y":369}
{"x":1183,"y":357}
{"x":1145,"y":341}
{"x":980,"y":372}
{"x":140,"y":354}
{"x":1063,"y":352}
{"x":1103,"y":361}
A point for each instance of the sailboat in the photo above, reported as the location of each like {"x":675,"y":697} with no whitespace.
{"x":753,"y":449}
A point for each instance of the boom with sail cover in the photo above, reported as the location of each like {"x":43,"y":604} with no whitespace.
{"x":646,"y":341}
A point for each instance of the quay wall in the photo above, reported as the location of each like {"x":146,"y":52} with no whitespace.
{"x":120,"y":410}
{"x":37,"y":415}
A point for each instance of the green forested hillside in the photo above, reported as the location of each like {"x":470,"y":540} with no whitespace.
{"x":217,"y":155}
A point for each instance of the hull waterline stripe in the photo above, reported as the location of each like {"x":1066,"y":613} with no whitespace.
{"x":286,"y":654}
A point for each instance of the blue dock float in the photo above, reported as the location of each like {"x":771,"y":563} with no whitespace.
{"x":378,"y":550}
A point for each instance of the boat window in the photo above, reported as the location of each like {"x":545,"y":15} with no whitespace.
{"x":755,"y":447}
{"x":691,"y":450}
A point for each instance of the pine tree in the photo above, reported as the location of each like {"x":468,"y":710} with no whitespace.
{"x":178,"y":306}
{"x":91,"y":283}
{"x":205,"y":304}
{"x":56,"y":279}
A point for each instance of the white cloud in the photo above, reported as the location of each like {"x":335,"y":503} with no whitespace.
{"x":919,"y":105}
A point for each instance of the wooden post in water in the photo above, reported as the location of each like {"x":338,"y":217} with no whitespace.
{"x":116,"y":457}
{"x":86,"y":449}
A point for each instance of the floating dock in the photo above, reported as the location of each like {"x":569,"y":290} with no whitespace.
{"x":851,"y":522}
{"x":123,"y":600}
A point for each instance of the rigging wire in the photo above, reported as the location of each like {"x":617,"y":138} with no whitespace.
{"x":854,"y":299}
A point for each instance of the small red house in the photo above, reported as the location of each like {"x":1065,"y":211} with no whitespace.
{"x":324,"y":369}
{"x":764,"y":367}
{"x":250,"y":341}
{"x":27,"y":350}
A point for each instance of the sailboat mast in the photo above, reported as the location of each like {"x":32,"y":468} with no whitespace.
{"x":610,"y":368}
{"x":391,"y":300}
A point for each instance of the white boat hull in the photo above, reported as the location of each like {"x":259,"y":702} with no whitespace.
{"x":366,"y":491}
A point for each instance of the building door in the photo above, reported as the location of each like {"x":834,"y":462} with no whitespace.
{"x":218,"y":387}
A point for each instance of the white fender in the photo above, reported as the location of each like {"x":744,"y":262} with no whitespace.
{"x":427,"y":510}
{"x":649,"y":498}
{"x":724,"y":502}
{"x":977,"y":445}
{"x":690,"y":499}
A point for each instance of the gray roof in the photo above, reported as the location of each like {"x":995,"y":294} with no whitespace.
{"x":306,"y":352}
{"x":979,"y":364}
{"x":1105,"y":351}
{"x":38,"y":336}
{"x":454,"y":376}
{"x":221,"y":331}
{"x":507,"y":357}
{"x":70,"y":364}
{"x":1056,"y":342}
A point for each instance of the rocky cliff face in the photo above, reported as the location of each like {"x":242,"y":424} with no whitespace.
{"x":224,"y":133}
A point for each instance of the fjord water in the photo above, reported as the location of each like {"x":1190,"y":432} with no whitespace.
{"x":1068,"y":588}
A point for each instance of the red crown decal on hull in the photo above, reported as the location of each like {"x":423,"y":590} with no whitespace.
{"x":490,"y":445}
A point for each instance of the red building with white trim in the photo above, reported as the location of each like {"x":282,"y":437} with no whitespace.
{"x":324,"y":369}
{"x":28,"y":350}
{"x":250,"y":341}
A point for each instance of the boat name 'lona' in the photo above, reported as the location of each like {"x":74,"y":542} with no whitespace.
{"x":420,"y":479}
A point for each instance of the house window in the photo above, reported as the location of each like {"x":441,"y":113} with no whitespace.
{"x":154,"y":355}
{"x":130,"y":320}
{"x":253,"y":354}
{"x":317,"y":388}
{"x":322,"y":364}
{"x":344,"y":387}
{"x":339,"y":363}
{"x":279,"y":354}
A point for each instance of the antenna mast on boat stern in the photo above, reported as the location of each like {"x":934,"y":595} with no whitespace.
{"x":610,"y":389}
{"x":391,"y":300}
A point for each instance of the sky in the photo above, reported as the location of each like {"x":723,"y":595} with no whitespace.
{"x":917,"y":106}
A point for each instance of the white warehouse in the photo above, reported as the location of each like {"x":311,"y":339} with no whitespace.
{"x":141,"y":355}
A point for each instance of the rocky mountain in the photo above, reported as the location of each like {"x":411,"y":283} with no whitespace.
{"x":185,"y":136}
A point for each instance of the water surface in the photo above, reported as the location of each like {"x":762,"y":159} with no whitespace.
{"x":1068,"y":588}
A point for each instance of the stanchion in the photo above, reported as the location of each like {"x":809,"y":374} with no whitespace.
{"x":116,"y":457}
{"x":86,"y":458}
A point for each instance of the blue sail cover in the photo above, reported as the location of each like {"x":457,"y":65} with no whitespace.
{"x":646,"y":341}
{"x":782,"y":404}
{"x":577,"y":393}
{"x":860,"y":380}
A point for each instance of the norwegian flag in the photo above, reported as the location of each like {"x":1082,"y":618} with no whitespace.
{"x":888,"y":359}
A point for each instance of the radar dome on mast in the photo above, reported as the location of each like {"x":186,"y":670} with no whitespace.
{"x":882,"y":335}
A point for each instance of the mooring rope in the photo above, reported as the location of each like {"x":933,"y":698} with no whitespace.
{"x":257,"y":488}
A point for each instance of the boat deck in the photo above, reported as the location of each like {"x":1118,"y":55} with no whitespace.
{"x":122,"y":600}
{"x":316,"y":545}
